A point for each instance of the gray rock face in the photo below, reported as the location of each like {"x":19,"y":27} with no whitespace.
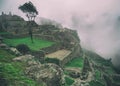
{"x":15,"y":51}
{"x":51,"y":74}
{"x":4,"y":46}
{"x":78,"y":83}
{"x":24,"y":58}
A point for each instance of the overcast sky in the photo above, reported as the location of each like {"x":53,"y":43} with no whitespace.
{"x":97,"y":21}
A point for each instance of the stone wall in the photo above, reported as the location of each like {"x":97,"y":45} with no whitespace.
{"x":52,"y":48}
{"x":44,"y":37}
{"x":107,"y":80}
{"x":76,"y":52}
{"x":116,"y":77}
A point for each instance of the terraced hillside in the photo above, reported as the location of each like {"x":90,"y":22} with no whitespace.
{"x":37,"y":45}
{"x":54,"y":59}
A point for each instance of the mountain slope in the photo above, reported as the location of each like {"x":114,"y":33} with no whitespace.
{"x":79,"y":67}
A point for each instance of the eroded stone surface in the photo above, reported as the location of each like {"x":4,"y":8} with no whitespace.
{"x":49,"y":73}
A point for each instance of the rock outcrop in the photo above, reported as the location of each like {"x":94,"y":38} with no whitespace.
{"x":50,"y":74}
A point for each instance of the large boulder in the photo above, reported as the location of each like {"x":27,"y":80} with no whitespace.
{"x":24,"y":58}
{"x":4,"y":46}
{"x":73,"y":72}
{"x":50,"y":74}
{"x":15,"y":51}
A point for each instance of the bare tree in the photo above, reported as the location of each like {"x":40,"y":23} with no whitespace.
{"x":30,"y":10}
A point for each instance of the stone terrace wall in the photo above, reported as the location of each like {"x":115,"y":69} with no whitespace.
{"x":76,"y":52}
{"x":52,"y":48}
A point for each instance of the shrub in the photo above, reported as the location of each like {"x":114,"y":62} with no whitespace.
{"x":22,"y":48}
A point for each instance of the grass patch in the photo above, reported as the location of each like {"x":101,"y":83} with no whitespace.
{"x":77,"y":62}
{"x":66,"y":72}
{"x":110,"y":70}
{"x":69,"y":81}
{"x":94,"y":83}
{"x":5,"y":56}
{"x":12,"y":73}
{"x":37,"y":45}
{"x":97,"y":74}
{"x":4,"y":33}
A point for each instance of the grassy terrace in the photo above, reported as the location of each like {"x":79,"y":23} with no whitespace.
{"x":37,"y":45}
{"x":77,"y":62}
{"x":68,"y":81}
{"x":4,"y":33}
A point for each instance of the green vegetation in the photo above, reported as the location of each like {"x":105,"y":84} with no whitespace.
{"x":30,"y":10}
{"x":5,"y":56}
{"x":110,"y":70}
{"x":77,"y":62}
{"x":69,"y":81}
{"x":66,"y":72}
{"x":75,"y":35}
{"x":95,"y":83}
{"x":37,"y":45}
{"x":97,"y":74}
{"x":116,"y":80}
{"x":103,"y":62}
{"x":4,"y":33}
{"x":12,"y":73}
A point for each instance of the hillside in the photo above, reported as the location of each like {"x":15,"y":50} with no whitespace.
{"x":54,"y":59}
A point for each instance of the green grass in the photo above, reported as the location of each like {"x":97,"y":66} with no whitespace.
{"x":66,"y":72}
{"x":97,"y":74}
{"x":69,"y":81}
{"x":5,"y":56}
{"x":76,"y":62}
{"x":94,"y":83}
{"x":13,"y":72}
{"x":37,"y":45}
{"x":14,"y":75}
{"x":4,"y":33}
{"x":110,"y":70}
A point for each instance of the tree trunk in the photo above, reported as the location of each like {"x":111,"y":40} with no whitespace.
{"x":31,"y":35}
{"x":30,"y":31}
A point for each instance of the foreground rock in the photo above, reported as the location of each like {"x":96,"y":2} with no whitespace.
{"x":24,"y":58}
{"x":50,"y":74}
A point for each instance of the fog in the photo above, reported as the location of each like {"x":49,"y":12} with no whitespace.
{"x":97,"y":21}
